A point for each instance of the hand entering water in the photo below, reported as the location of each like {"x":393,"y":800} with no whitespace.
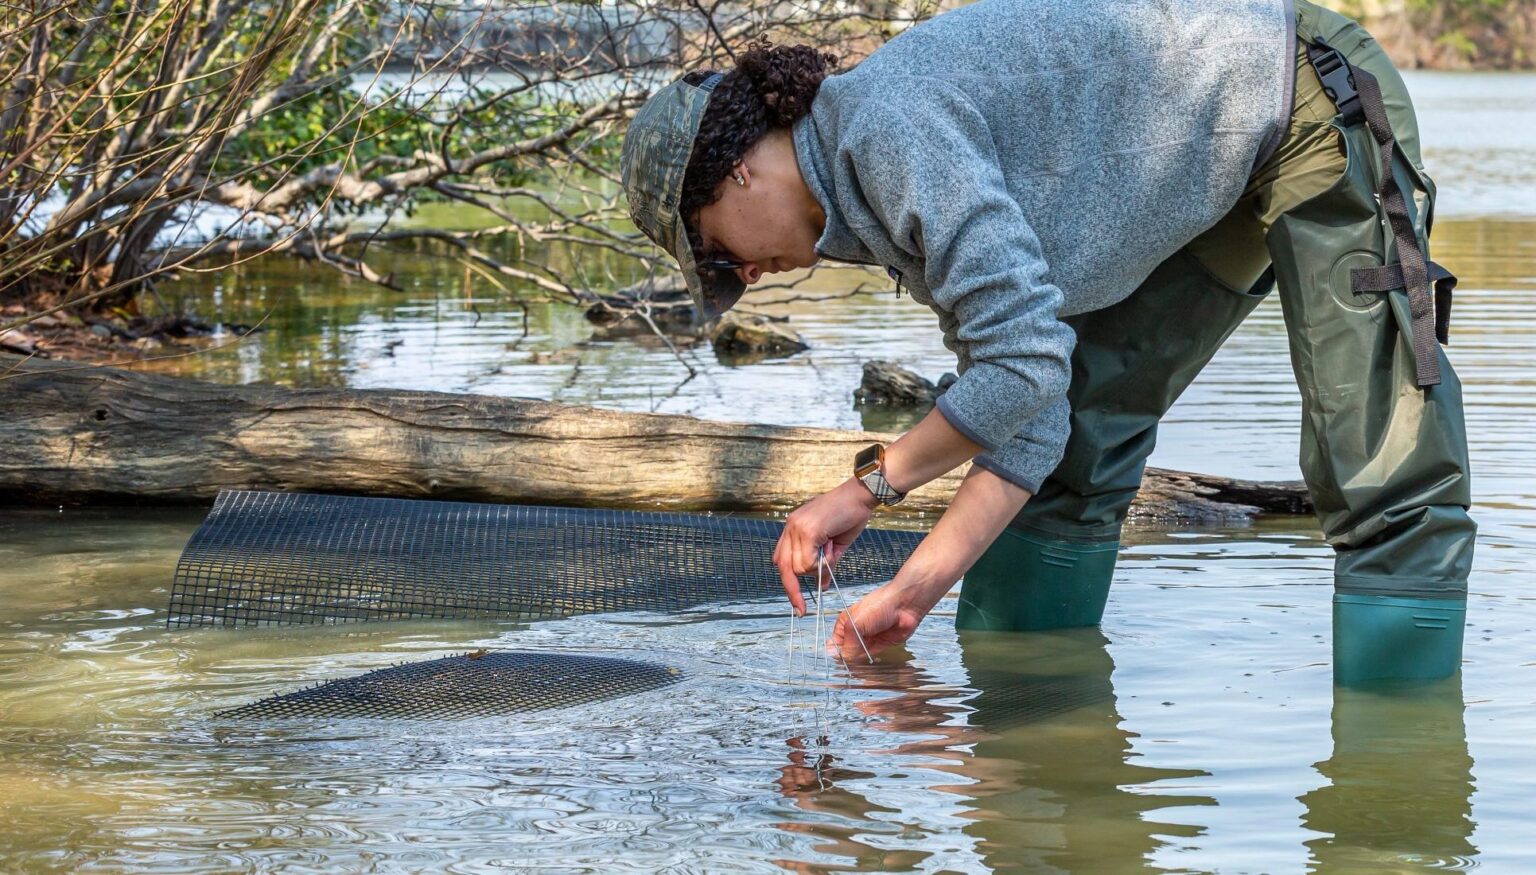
{"x":831,"y":520}
{"x":887,"y":616}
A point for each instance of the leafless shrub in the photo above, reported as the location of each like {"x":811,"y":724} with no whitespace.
{"x":140,"y":139}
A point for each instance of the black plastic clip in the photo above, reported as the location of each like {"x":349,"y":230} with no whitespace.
{"x":1338,"y":80}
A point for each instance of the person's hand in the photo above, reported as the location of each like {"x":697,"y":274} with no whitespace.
{"x":833,"y":519}
{"x":887,"y":616}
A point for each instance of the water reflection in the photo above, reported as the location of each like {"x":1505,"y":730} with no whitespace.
{"x":1047,"y":772}
{"x":1062,"y":791}
{"x":1399,"y":791}
{"x":817,"y":783}
{"x":820,"y":784}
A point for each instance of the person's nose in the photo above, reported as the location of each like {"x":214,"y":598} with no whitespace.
{"x":749,"y":272}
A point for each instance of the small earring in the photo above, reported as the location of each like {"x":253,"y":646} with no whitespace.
{"x":740,"y":180}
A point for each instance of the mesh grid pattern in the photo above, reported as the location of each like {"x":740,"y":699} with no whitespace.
{"x":481,"y":684}
{"x":268,"y":558}
{"x":1007,"y":699}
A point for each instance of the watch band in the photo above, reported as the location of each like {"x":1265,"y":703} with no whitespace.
{"x":869,"y":468}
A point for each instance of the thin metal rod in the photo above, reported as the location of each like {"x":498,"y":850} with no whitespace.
{"x":821,"y":560}
{"x":790,"y":667}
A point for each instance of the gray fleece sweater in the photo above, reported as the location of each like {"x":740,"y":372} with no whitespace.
{"x":1016,"y":161}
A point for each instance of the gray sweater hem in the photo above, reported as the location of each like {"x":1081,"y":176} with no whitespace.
{"x":957,"y":420}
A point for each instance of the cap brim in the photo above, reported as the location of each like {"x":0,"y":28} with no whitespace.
{"x":715,"y":298}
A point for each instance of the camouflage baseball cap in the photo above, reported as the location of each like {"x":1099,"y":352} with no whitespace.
{"x":656,"y":152}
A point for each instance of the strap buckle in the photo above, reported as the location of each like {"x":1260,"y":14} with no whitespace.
{"x":1338,"y":80}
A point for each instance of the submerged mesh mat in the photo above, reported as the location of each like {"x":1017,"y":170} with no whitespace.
{"x":479,"y":684}
{"x":278,"y":558}
{"x":1006,"y":699}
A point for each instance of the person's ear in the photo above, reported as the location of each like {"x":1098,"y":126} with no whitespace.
{"x":741,"y":174}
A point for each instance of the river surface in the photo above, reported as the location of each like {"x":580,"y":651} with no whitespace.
{"x":1197,"y":731}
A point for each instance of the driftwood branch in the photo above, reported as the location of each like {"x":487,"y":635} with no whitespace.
{"x":78,"y":433}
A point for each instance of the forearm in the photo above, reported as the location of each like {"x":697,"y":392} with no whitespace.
{"x":931,"y":449}
{"x":981,"y":509}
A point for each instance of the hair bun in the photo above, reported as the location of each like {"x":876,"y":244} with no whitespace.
{"x":771,"y":87}
{"x":785,"y":78}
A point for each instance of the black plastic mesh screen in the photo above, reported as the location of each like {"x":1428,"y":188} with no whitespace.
{"x":481,"y":684}
{"x":278,"y":558}
{"x":1006,"y":699}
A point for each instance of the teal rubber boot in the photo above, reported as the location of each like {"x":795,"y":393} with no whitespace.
{"x":1027,"y":582}
{"x":1378,"y":638}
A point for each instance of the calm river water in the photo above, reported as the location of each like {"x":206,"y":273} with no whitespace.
{"x":1197,"y":731}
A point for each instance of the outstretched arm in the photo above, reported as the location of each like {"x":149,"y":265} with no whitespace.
{"x":982,"y":508}
{"x":932,"y":448}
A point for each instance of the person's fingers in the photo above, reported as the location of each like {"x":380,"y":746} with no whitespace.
{"x":825,"y":560}
{"x":851,"y":640}
{"x":787,"y":576}
{"x":835,"y":552}
{"x":840,"y":638}
{"x":791,"y":583}
{"x":792,"y":590}
{"x":805,"y":555}
{"x":845,"y":539}
{"x":853,"y":626}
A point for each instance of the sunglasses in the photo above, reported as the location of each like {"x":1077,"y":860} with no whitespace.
{"x":718,"y":263}
{"x":711,"y":264}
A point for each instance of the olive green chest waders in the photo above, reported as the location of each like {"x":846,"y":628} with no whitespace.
{"x":1338,"y":219}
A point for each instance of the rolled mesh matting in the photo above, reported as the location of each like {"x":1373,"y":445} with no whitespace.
{"x":479,"y":684}
{"x":278,"y":558}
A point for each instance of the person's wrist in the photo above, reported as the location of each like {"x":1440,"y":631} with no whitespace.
{"x":921,"y":585}
{"x":896,"y":471}
{"x":862,"y":493}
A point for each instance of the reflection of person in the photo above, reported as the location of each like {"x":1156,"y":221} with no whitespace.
{"x":1091,"y":196}
{"x":1047,"y":717}
{"x":1400,"y":783}
{"x":817,"y":783}
{"x":1041,"y":760}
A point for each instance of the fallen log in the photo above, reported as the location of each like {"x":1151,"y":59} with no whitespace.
{"x":79,"y":433}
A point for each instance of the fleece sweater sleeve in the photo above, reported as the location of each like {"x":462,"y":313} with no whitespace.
{"x":928,"y":169}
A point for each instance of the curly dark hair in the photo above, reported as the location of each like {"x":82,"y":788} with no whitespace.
{"x":771,"y":87}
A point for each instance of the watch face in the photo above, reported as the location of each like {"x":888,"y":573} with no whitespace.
{"x":867,"y":460}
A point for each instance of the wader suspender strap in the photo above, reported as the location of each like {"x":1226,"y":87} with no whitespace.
{"x":1357,"y":94}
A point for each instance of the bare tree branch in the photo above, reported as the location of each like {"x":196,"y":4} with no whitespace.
{"x":310,"y":127}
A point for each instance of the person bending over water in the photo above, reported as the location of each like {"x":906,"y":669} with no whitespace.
{"x":1091,"y":196}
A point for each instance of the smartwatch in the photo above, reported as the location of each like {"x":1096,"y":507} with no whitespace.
{"x":869,"y":468}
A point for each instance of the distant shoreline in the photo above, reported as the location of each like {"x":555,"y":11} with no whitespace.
{"x":1449,"y":35}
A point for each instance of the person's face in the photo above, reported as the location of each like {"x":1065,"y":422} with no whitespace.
{"x":764,"y":222}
